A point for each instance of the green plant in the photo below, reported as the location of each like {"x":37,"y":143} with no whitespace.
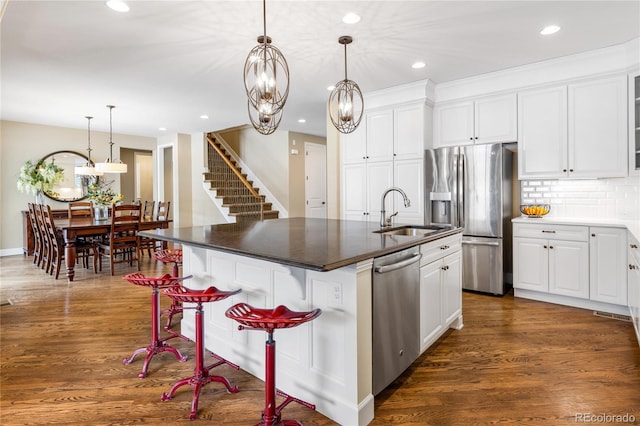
{"x":39,"y":177}
{"x":102,"y":194}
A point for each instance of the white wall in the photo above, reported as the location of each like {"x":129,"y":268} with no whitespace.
{"x":203,"y":211}
{"x":25,"y":141}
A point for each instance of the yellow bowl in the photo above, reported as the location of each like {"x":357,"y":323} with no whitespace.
{"x":535,"y":210}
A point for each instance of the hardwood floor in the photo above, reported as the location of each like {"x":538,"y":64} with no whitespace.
{"x":515,"y":361}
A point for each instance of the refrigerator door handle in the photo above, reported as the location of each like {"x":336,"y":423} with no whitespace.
{"x":461,"y":168}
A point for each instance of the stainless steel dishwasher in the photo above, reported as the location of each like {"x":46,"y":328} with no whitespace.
{"x":396,"y":315}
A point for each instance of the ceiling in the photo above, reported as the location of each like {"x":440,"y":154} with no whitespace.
{"x":166,"y":63}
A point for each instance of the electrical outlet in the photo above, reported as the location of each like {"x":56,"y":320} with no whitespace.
{"x":337,"y":293}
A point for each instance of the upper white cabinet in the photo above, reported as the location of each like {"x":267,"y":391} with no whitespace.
{"x":490,"y":119}
{"x":576,"y":130}
{"x":386,"y":150}
{"x":634,"y":123}
{"x":542,"y":133}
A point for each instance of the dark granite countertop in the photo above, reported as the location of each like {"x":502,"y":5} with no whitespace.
{"x":317,"y":244}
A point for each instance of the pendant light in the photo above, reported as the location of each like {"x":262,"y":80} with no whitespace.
{"x":88,"y":169}
{"x":110,"y":165}
{"x":346,"y":103}
{"x":266,"y":81}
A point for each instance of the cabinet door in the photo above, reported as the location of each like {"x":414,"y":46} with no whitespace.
{"x":354,"y":194}
{"x":569,"y":268}
{"x":354,"y":146}
{"x":598,"y":128}
{"x":542,"y":133}
{"x":633,"y":293}
{"x":530,"y":264}
{"x":430,"y":303}
{"x":379,"y":178}
{"x":634,"y":123}
{"x":380,"y":135}
{"x":409,"y":176}
{"x":495,"y":119}
{"x":452,"y":287}
{"x":607,"y":265}
{"x":408,"y":127}
{"x":453,"y":124}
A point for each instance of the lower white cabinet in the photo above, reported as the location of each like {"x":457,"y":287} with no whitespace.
{"x":607,"y":261}
{"x":575,"y":265}
{"x":440,"y":289}
{"x":633,"y":283}
{"x":550,"y":264}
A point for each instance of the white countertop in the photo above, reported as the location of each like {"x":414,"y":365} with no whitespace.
{"x":633,"y":226}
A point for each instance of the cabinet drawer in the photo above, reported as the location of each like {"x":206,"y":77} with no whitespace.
{"x":435,"y":250}
{"x":551,"y":232}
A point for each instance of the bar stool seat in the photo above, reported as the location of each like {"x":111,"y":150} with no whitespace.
{"x":251,"y":318}
{"x":157,"y":344}
{"x":170,"y":256}
{"x":201,"y":375}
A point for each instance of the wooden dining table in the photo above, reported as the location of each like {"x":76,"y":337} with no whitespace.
{"x":72,"y":228}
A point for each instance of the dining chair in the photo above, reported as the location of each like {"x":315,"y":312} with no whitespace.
{"x":123,"y":238}
{"x":163,"y":210}
{"x":37,"y":237}
{"x":46,"y":243}
{"x":80,"y":209}
{"x":147,"y":212}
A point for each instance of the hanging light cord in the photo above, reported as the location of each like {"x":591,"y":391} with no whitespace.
{"x":111,"y":107}
{"x":89,"y":139}
{"x":345,"y":62}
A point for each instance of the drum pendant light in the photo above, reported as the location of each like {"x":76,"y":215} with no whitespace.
{"x":266,"y":81}
{"x":346,"y":103}
{"x":88,"y":169}
{"x":110,"y":165}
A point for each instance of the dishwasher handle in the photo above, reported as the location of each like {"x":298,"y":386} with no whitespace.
{"x":394,"y":266}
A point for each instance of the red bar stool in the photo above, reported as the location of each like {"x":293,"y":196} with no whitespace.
{"x":251,"y":318}
{"x":170,"y":256}
{"x":157,"y":344}
{"x":201,"y":374}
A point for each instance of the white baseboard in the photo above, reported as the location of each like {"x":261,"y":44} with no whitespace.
{"x":11,"y":252}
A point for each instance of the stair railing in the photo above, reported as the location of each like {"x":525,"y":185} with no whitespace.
{"x":223,"y":171}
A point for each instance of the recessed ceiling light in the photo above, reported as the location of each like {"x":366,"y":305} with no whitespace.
{"x":351,"y":18}
{"x":551,"y":29}
{"x":418,"y":65}
{"x":302,"y":120}
{"x":118,"y":5}
{"x":330,"y":88}
{"x":204,"y":117}
{"x":162,"y":129}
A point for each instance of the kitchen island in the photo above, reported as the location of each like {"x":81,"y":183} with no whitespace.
{"x":301,"y":263}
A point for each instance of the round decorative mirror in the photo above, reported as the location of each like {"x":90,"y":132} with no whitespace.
{"x":72,"y":187}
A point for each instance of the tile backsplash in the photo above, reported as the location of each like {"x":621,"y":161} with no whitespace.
{"x":617,"y":198}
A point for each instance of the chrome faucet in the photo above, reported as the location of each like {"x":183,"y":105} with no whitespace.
{"x":384,"y":221}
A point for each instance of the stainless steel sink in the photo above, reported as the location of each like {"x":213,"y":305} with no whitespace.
{"x":412,"y":231}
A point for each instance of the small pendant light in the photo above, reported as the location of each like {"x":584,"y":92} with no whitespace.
{"x":88,"y":169}
{"x":346,"y":103}
{"x":110,"y":165}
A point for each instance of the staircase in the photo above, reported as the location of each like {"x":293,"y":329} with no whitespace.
{"x":239,"y":198}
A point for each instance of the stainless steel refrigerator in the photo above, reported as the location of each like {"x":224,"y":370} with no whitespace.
{"x":470,"y":187}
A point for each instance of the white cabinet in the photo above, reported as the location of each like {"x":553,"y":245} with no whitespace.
{"x":386,"y":151}
{"x":607,"y":265}
{"x":633,"y":282}
{"x":440,"y":289}
{"x":634,"y":123}
{"x":542,"y":133}
{"x":598,"y":128}
{"x":576,"y":130}
{"x":490,"y":119}
{"x":409,"y":175}
{"x":551,"y":259}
